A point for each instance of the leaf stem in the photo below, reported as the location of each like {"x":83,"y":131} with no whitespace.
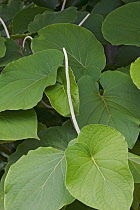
{"x":50,"y":107}
{"x":27,"y":37}
{"x":5,"y":28}
{"x":69,"y":94}
{"x":85,"y":18}
{"x":63,"y":5}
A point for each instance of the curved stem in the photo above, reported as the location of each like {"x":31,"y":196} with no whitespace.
{"x":69,"y":94}
{"x":50,"y":107}
{"x":63,"y":5}
{"x":5,"y":28}
{"x":85,"y":18}
{"x":27,"y":37}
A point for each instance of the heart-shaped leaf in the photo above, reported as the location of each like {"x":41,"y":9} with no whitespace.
{"x":123,"y":24}
{"x":135,"y":72}
{"x":57,"y":94}
{"x":16,"y":125}
{"x":44,"y":185}
{"x":23,"y":81}
{"x":86,"y":55}
{"x":117,"y":105}
{"x":97,"y":169}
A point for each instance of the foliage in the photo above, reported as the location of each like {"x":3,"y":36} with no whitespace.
{"x":45,"y":163}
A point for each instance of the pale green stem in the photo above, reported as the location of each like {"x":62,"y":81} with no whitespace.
{"x":50,"y":107}
{"x":69,"y":93}
{"x":63,"y":5}
{"x":27,"y":37}
{"x":5,"y":28}
{"x":81,"y":23}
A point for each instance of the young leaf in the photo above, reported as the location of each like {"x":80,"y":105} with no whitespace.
{"x":86,"y":55}
{"x":20,"y":24}
{"x":117,"y":106}
{"x":16,"y":125}
{"x":12,"y":52}
{"x":43,"y":183}
{"x":122,"y":25}
{"x":134,"y":165}
{"x":135,"y":72}
{"x":97,"y":169}
{"x":40,"y":21}
{"x":2,"y":47}
{"x":23,"y":81}
{"x":57,"y":94}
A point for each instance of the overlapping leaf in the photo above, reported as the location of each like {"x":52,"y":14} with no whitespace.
{"x":118,"y":105}
{"x":134,"y":164}
{"x":44,"y":186}
{"x":97,"y":169}
{"x":86,"y":56}
{"x":135,"y":72}
{"x":123,"y":24}
{"x":2,"y":47}
{"x":16,"y":125}
{"x":22,"y":82}
{"x":12,"y":52}
{"x":57,"y":94}
{"x":20,"y":24}
{"x":40,"y":21}
{"x":46,"y":3}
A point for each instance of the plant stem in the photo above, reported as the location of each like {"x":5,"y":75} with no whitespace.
{"x":5,"y":28}
{"x":50,"y":107}
{"x":27,"y":37}
{"x":6,"y":151}
{"x":85,"y":18}
{"x":69,"y":93}
{"x":63,"y":5}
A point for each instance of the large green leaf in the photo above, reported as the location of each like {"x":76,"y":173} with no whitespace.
{"x":97,"y":169}
{"x":37,"y":181}
{"x":123,"y":24}
{"x":40,"y":21}
{"x":8,"y":11}
{"x":129,"y":1}
{"x":23,"y":81}
{"x":2,"y":47}
{"x":46,"y":3}
{"x":134,"y":165}
{"x":20,"y":24}
{"x":12,"y":53}
{"x":118,"y":104}
{"x":104,"y":7}
{"x":135,"y":72}
{"x":57,"y":94}
{"x":86,"y":56}
{"x":93,"y":23}
{"x":17,"y":125}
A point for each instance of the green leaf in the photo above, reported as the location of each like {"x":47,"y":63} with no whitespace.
{"x":20,"y":24}
{"x":40,"y":21}
{"x":135,"y":72}
{"x":136,"y":200}
{"x":117,"y":106}
{"x":104,"y":7}
{"x":46,"y":3}
{"x":2,"y":47}
{"x":43,"y":183}
{"x":57,"y":94}
{"x":126,"y":55}
{"x":134,"y":165}
{"x":86,"y":56}
{"x":97,"y":169}
{"x":1,"y":196}
{"x":93,"y":24}
{"x":8,"y":11}
{"x":122,"y":25}
{"x":23,"y":81}
{"x":129,"y":1}
{"x":12,"y":53}
{"x":16,"y":125}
